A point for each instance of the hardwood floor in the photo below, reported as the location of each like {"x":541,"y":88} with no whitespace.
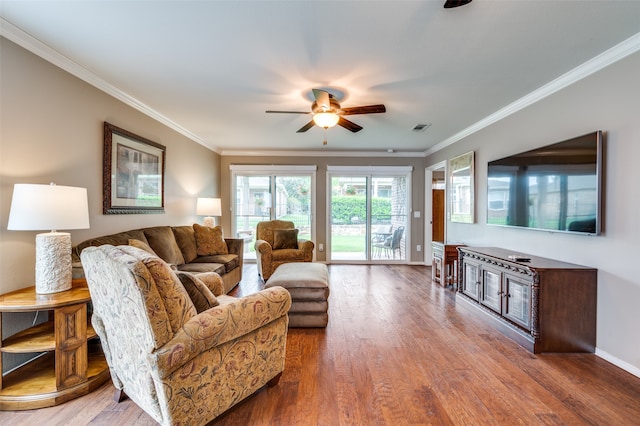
{"x":398,"y":350}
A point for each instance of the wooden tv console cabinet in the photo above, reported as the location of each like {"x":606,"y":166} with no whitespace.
{"x":543,"y":304}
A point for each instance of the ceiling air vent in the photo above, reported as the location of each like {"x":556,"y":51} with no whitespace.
{"x":421,"y":127}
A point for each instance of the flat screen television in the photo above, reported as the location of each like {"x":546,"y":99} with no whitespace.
{"x":554,"y":188}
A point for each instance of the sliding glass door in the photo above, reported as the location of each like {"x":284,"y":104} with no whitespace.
{"x":368,"y":215}
{"x":266,"y":193}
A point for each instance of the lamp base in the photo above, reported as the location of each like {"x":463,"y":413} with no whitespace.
{"x":209,"y":221}
{"x":53,"y":262}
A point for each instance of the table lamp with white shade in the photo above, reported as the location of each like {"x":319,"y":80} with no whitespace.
{"x":209,"y":207}
{"x":41,"y":207}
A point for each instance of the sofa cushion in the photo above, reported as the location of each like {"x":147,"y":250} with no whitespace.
{"x":177,"y":303}
{"x":142,"y":246}
{"x":195,"y":267}
{"x":199,"y":293}
{"x":230,"y":261}
{"x":119,"y":239}
{"x":285,"y":239}
{"x":287,"y":255}
{"x":163,"y":242}
{"x":186,"y":240}
{"x":209,"y":240}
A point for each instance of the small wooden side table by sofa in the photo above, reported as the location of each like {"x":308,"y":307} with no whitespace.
{"x":444,"y":263}
{"x":69,"y":367}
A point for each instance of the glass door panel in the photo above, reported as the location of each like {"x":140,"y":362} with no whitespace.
{"x":518,"y":301}
{"x":491,"y":295}
{"x":253,"y":204}
{"x":293,"y":202}
{"x":368,"y":218}
{"x":260,"y":197}
{"x":348,"y":213}
{"x":388,"y":219}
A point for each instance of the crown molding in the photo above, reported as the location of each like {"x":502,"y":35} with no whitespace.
{"x":608,"y":57}
{"x":603,"y":60}
{"x":276,"y":153}
{"x":35,"y":46}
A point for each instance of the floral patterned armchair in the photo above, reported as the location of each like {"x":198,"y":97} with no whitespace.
{"x":184,"y":363}
{"x":277,"y":243}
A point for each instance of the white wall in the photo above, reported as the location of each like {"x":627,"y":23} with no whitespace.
{"x":52,"y":130}
{"x":608,"y":100}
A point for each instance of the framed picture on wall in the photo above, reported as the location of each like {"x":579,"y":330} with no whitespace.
{"x":133,"y":173}
{"x":461,"y":188}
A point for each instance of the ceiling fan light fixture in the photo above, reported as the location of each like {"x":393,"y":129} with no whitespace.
{"x":326,"y":119}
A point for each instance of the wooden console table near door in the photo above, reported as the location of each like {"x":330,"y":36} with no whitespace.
{"x":69,"y":367}
{"x":444,"y":266}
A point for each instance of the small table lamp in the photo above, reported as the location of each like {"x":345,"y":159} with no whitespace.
{"x":40,"y":207}
{"x":208,"y":207}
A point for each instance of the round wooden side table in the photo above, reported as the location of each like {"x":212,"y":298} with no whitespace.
{"x":70,"y":365}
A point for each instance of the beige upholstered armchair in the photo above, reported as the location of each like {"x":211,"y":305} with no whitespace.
{"x":179,"y":351}
{"x":277,"y":243}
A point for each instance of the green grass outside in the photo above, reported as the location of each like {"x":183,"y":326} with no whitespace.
{"x":347,"y":244}
{"x":339,"y":243}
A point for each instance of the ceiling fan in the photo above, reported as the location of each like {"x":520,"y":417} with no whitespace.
{"x":327,"y":112}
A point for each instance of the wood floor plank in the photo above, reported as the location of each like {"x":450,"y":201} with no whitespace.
{"x":399,"y":350}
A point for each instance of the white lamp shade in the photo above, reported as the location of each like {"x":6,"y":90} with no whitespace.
{"x":208,"y":207}
{"x":326,"y":119}
{"x":48,"y":207}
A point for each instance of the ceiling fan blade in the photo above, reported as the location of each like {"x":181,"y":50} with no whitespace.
{"x":306,"y":127}
{"x":286,"y":112}
{"x":322,"y":99}
{"x":450,"y":4}
{"x":368,"y":109}
{"x":349,"y":125}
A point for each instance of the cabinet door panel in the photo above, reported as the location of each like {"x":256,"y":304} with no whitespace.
{"x":471,"y":279}
{"x":518,"y":301}
{"x":491,"y":295}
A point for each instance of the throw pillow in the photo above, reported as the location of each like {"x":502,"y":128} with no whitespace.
{"x":199,"y":293}
{"x":285,"y":239}
{"x":163,"y":242}
{"x":186,"y":239}
{"x":142,"y":245}
{"x":209,"y":241}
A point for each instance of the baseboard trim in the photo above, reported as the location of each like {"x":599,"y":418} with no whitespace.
{"x":618,"y":362}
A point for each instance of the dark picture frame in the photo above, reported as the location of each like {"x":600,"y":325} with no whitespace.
{"x":133,"y":173}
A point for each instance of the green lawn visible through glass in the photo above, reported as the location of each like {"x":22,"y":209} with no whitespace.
{"x":347,"y":244}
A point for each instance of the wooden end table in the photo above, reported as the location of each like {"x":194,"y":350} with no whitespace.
{"x":69,"y":367}
{"x":444,"y":263}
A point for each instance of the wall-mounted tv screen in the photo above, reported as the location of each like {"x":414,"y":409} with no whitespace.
{"x":555,"y":188}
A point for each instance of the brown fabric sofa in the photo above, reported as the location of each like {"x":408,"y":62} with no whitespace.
{"x":269,"y":256}
{"x":176,"y":245}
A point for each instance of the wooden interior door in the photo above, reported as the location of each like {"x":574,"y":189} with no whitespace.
{"x":437,"y":215}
